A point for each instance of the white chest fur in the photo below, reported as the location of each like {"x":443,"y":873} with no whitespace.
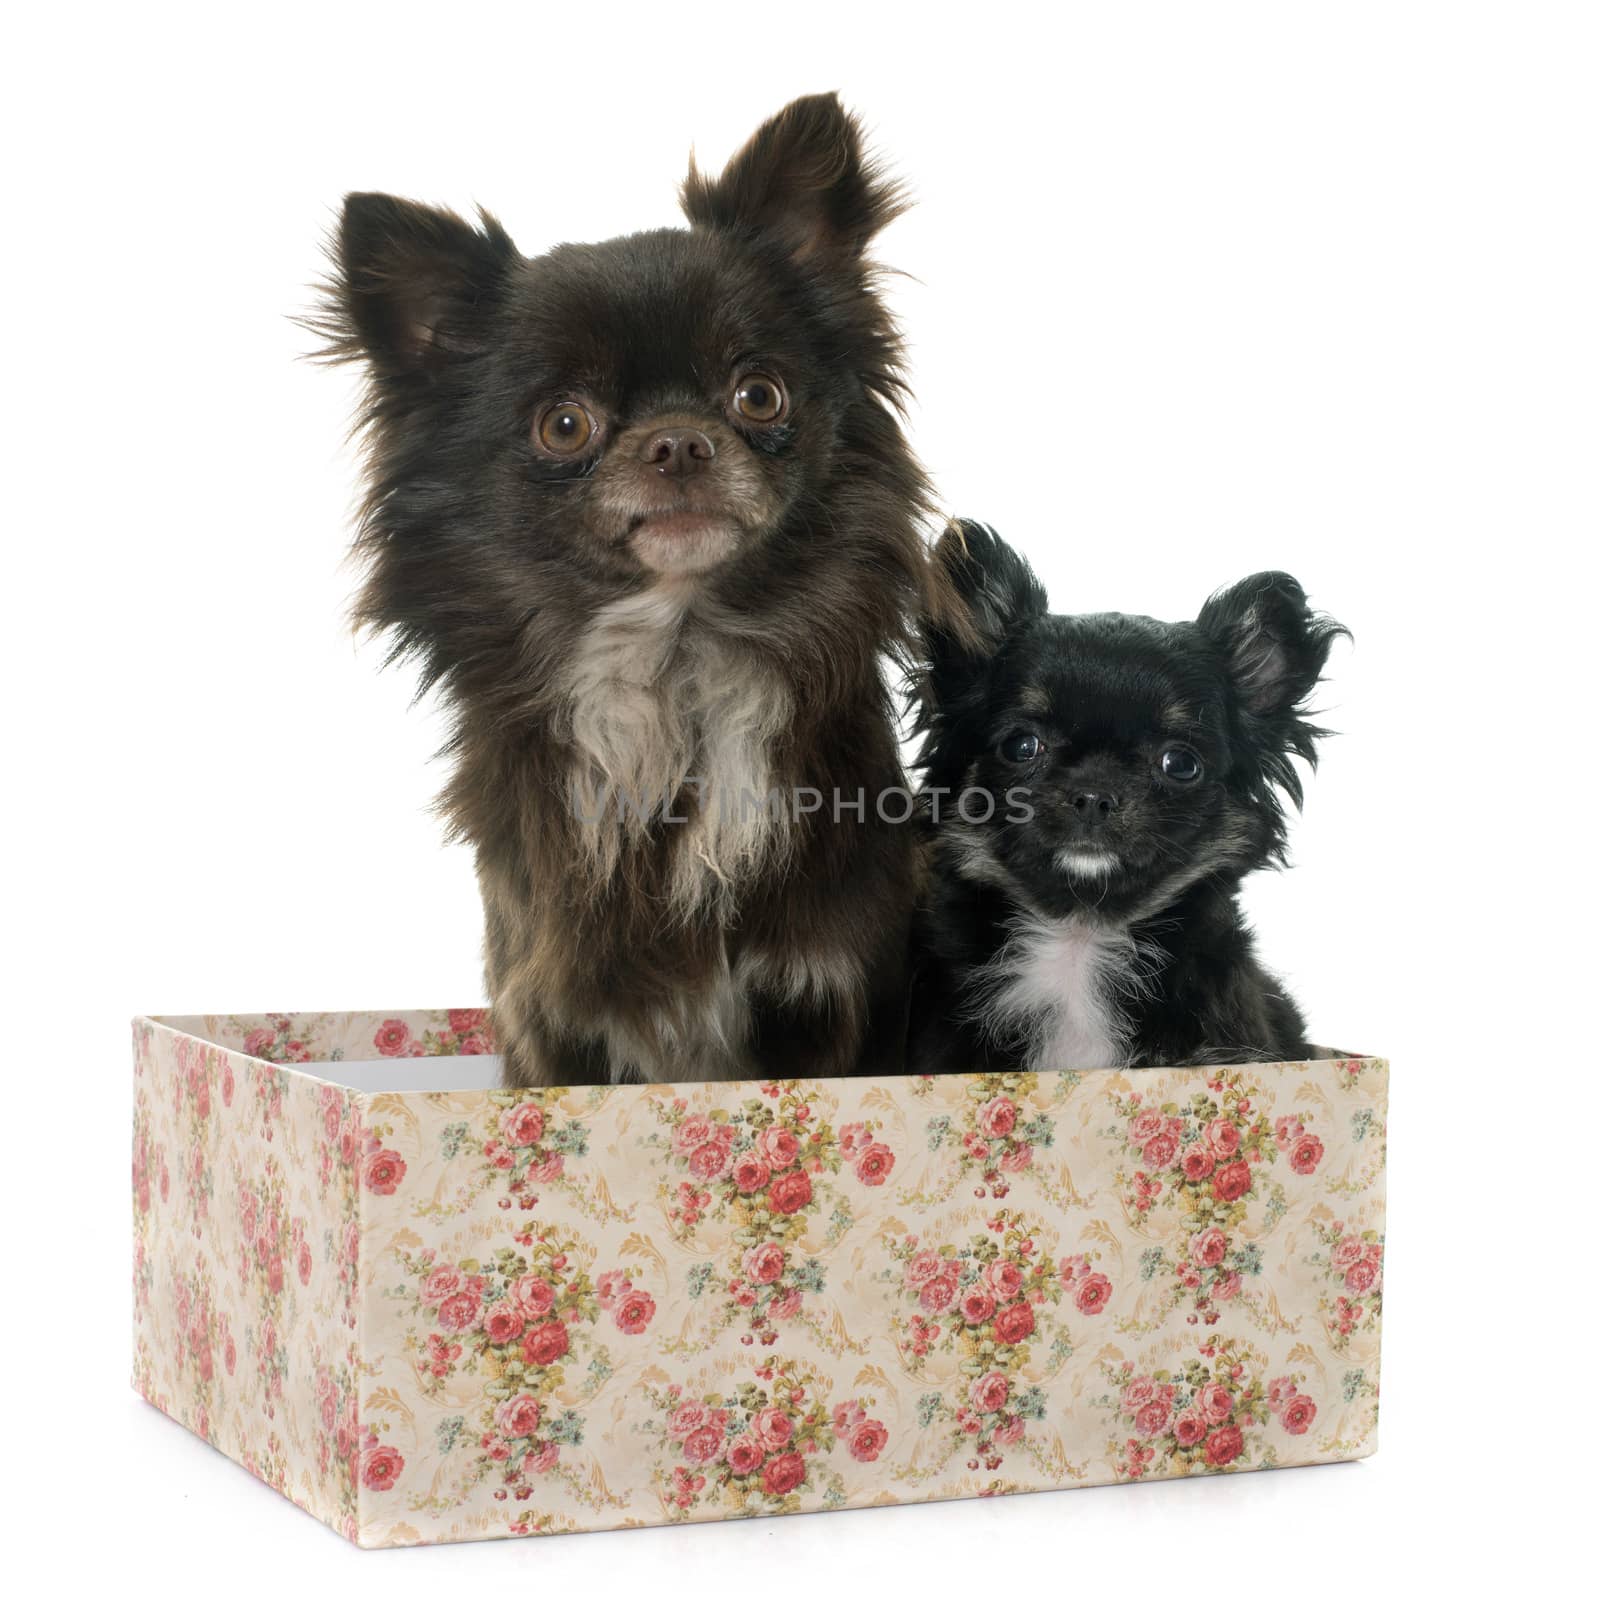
{"x":1058,"y":984}
{"x":655,"y":701}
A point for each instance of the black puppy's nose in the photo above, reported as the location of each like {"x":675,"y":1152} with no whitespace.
{"x":676,"y":452}
{"x":1095,"y":808}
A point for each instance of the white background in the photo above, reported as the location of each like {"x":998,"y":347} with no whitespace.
{"x":1191,"y":291}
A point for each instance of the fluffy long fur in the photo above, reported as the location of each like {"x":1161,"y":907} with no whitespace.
{"x":636,"y":947}
{"x":1090,"y":916}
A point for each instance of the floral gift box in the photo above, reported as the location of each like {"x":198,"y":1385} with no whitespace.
{"x":426,"y":1308}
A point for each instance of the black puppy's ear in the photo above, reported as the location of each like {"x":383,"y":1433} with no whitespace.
{"x":998,"y":586}
{"x":803,"y":178}
{"x":411,"y":284}
{"x":993,"y":591}
{"x":1276,"y":647}
{"x":1275,"y":643}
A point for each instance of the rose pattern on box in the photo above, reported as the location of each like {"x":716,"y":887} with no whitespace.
{"x":761,"y":1448}
{"x":524,"y":1320}
{"x":993,"y":1138}
{"x":1214,"y":1413}
{"x":988,"y":1304}
{"x":1208,"y":1162}
{"x":764,"y":1168}
{"x":1351,"y":1259}
{"x":461,"y":1314}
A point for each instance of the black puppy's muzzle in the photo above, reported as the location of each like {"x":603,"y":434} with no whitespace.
{"x":1094,"y":808}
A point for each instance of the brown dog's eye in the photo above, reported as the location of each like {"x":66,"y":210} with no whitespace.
{"x":565,"y":429}
{"x":760,"y":399}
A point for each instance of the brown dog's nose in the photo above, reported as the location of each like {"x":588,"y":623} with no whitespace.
{"x":676,"y":452}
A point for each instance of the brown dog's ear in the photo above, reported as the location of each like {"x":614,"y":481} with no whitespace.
{"x":411,"y":283}
{"x":802,"y":178}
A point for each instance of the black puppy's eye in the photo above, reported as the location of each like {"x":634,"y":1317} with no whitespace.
{"x":1020,"y":747}
{"x":1181,"y":764}
{"x":760,"y":399}
{"x":565,"y":429}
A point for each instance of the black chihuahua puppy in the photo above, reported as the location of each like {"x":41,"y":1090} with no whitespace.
{"x":1097,"y":788}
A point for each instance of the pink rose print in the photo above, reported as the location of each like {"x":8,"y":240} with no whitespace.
{"x":1232,"y":1181}
{"x":751,"y":1173}
{"x":393,"y":1038}
{"x":1299,"y":1412}
{"x":785,"y":1305}
{"x":534,"y":1294}
{"x":774,"y":1427}
{"x":977,"y":1305}
{"x":633,"y":1311}
{"x":545,"y":1344}
{"x":518,"y":1417}
{"x":997,"y":1117}
{"x":764,"y":1264}
{"x":1210,"y":1159}
{"x":783,"y":1474}
{"x":758,"y":1167}
{"x":778,"y":1147}
{"x":1161,"y":1151}
{"x":764,"y":1453}
{"x":691,"y":1133}
{"x":689,"y":1418}
{"x":874,"y":1164}
{"x":708,"y":1159}
{"x":789,"y":1193}
{"x":610,"y":1287}
{"x":990,"y":1392}
{"x":1205,"y":1416}
{"x":1013,"y":1323}
{"x":1346,"y":1253}
{"x":459,"y":1312}
{"x":854,"y":1137}
{"x":503,"y":1321}
{"x":381,"y":1466}
{"x":1092,"y":1293}
{"x":1354,"y":1264}
{"x":1154,"y":1417}
{"x":1145,"y":1126}
{"x":983,"y":1301}
{"x":1004,"y":1278}
{"x":1362,"y":1276}
{"x":383,"y":1172}
{"x":867,"y":1440}
{"x":523,"y":1124}
{"x":1223,"y":1446}
{"x":704,"y":1444}
{"x":1305,"y":1153}
{"x":1223,"y":1136}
